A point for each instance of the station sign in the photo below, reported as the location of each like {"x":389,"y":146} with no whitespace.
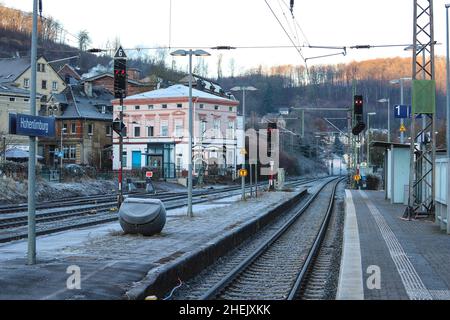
{"x":31,"y":126}
{"x":404,"y":112}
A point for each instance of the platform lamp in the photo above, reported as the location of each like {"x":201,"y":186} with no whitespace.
{"x":368,"y":136}
{"x":190,"y":53}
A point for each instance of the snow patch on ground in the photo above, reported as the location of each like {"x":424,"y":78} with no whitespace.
{"x":12,"y":191}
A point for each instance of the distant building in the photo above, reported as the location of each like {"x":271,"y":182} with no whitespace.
{"x":17,"y":71}
{"x":85,"y":112}
{"x":134,"y":86}
{"x":157,"y":131}
{"x":69,"y":74}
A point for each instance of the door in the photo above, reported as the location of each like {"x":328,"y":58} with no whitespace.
{"x":136,"y":164}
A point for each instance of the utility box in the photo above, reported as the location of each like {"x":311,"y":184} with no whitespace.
{"x":142,"y":216}
{"x":281,"y":179}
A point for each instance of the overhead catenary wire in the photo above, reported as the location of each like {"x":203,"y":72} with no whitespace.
{"x":287,"y":34}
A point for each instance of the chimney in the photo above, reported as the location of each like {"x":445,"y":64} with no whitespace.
{"x":88,"y":89}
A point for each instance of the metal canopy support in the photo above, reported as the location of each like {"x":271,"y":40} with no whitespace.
{"x":423,"y":137}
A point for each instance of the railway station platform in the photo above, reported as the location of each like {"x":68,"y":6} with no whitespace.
{"x":101,"y":263}
{"x":387,"y":258}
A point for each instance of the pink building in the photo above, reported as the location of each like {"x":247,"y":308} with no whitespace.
{"x":157,"y":131}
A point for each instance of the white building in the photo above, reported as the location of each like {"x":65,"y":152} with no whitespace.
{"x":158,"y":128}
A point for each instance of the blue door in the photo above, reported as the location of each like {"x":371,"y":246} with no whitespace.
{"x":137,"y":156}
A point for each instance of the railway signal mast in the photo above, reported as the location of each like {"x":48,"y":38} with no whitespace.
{"x":120,"y":92}
{"x":423,"y":139}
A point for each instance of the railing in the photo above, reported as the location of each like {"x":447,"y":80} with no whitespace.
{"x":442,"y":195}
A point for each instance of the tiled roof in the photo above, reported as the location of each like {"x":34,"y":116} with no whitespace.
{"x":11,"y":69}
{"x":177,"y":91}
{"x":79,"y":105}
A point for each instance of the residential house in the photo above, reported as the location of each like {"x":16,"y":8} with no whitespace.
{"x":12,"y":100}
{"x":84,"y":124}
{"x":69,"y":74}
{"x":157,"y":131}
{"x":17,"y":71}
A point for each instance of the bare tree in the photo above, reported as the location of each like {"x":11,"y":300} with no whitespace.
{"x":84,"y":40}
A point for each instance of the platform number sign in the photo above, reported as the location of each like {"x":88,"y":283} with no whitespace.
{"x":120,"y":74}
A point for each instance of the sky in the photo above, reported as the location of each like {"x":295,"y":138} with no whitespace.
{"x":208,"y":23}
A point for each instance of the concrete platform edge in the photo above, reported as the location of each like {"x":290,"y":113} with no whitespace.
{"x":350,"y":285}
{"x":162,"y":279}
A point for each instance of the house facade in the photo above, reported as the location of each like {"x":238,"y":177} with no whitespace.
{"x":12,"y":100}
{"x":157,"y":131}
{"x":84,"y":125}
{"x":17,"y":72}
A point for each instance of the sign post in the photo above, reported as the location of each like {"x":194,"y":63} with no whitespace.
{"x":31,"y":126}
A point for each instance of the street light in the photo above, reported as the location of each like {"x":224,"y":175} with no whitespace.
{"x":244,"y":89}
{"x":190,"y":53}
{"x":448,"y":85}
{"x":402,"y":121}
{"x":368,"y":136}
{"x":61,"y":154}
{"x":388,"y":101}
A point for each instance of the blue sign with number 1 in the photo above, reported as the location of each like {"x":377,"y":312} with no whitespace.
{"x":402,"y":111}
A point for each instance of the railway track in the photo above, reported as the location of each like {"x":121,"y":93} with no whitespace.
{"x":69,"y":218}
{"x":275,"y":263}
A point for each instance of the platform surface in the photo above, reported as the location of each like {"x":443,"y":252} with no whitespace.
{"x":110,"y":262}
{"x":387,"y":258}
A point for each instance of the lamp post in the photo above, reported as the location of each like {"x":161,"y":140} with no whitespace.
{"x":388,"y":101}
{"x":368,"y":137}
{"x":244,"y":89}
{"x":61,"y":153}
{"x":448,"y":85}
{"x":190,"y":53}
{"x":402,"y":101}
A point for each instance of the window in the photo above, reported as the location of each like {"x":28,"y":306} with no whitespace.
{"x":12,"y":99}
{"x":73,"y":128}
{"x":55,"y":86}
{"x":151,"y":107}
{"x":164,"y":128}
{"x":178,"y":128}
{"x":103,"y":109}
{"x":150,"y":131}
{"x":70,"y":152}
{"x":230,"y":109}
{"x":231,"y":130}
{"x":137,"y":132}
{"x":26,"y":83}
{"x":41,"y":67}
{"x":216,"y":107}
{"x":44,"y":84}
{"x":179,"y":106}
{"x":26,"y":100}
{"x":65,"y":128}
{"x":216,"y":127}
{"x":202,"y":106}
{"x":124,"y":158}
{"x":90,"y":129}
{"x":164,"y":106}
{"x":108,"y":130}
{"x":202,"y":128}
{"x":137,"y":107}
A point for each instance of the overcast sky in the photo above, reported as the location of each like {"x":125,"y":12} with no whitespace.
{"x":246,"y":23}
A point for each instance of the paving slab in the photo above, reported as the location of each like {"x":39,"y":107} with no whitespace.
{"x":399,"y":260}
{"x":112,"y":263}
